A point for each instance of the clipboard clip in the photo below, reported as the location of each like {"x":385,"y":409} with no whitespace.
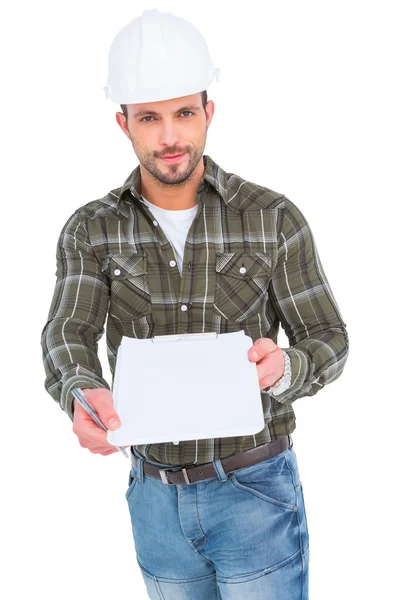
{"x":212,"y":335}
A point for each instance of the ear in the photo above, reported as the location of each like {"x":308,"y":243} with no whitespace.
{"x":121,"y":120}
{"x":210,"y":108}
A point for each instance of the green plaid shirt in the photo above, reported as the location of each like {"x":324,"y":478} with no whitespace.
{"x":114,"y":261}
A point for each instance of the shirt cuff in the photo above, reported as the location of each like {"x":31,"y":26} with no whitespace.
{"x":78,"y":381}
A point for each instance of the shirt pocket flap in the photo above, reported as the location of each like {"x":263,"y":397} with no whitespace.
{"x":245,"y":265}
{"x":121,"y":266}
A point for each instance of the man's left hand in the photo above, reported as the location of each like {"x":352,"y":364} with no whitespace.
{"x":270,"y":361}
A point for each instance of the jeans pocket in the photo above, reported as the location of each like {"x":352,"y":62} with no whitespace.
{"x":302,"y":516}
{"x":258,"y":489}
{"x":271,"y":480}
{"x":132,"y":481}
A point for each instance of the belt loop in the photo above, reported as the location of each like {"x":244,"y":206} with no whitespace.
{"x":139,"y":469}
{"x":219,"y":469}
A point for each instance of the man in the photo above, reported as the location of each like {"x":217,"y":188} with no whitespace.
{"x":185,"y":247}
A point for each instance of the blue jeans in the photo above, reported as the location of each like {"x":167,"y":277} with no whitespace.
{"x":241,"y":536}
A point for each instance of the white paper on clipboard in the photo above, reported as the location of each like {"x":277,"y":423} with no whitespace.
{"x":185,"y":387}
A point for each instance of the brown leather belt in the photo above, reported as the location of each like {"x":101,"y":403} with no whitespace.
{"x":206,"y":470}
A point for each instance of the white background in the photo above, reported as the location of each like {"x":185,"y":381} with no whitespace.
{"x":307,"y":105}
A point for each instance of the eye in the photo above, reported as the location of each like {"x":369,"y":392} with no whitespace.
{"x":182,"y":113}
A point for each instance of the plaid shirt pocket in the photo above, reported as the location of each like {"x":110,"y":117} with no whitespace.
{"x":129,"y":290}
{"x":242,"y":281}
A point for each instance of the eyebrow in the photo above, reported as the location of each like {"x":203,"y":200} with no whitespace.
{"x":192,"y":107}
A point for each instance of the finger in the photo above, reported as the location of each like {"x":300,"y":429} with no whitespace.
{"x":262,"y":372}
{"x":266,"y":378}
{"x":96,"y":444}
{"x":267,"y":381}
{"x":101,"y":400}
{"x":102,"y":450}
{"x":83,"y":423}
{"x":261,"y":348}
{"x":269,"y":369}
{"x":91,"y":435}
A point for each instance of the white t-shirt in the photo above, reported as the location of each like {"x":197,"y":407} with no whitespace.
{"x":175,"y":224}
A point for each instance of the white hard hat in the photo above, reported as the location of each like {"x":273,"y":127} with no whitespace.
{"x":158,"y":56}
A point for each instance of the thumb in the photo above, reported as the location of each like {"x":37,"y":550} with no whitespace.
{"x":101,"y":400}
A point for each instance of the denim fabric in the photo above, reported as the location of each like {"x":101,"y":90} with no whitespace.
{"x":237,"y":536}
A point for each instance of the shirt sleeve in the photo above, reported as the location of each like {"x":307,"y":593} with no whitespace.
{"x":75,"y":321}
{"x":306,"y":308}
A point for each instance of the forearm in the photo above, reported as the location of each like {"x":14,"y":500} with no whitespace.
{"x":76,"y":317}
{"x":314,"y":362}
{"x":305,"y":305}
{"x":70,"y":359}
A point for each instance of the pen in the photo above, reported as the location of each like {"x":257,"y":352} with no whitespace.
{"x":78,"y":395}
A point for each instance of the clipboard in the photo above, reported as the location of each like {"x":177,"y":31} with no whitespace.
{"x":185,"y":387}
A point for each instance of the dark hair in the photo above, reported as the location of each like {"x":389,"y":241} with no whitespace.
{"x":203,"y":99}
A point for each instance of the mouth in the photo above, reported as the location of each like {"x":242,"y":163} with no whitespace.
{"x":171,"y":159}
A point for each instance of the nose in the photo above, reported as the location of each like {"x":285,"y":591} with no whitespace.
{"x":169,"y":136}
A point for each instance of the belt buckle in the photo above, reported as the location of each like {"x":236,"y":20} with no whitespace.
{"x":164,"y":477}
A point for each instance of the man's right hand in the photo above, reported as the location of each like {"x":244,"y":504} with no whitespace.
{"x":90,"y":435}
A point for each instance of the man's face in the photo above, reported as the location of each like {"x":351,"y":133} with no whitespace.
{"x":168,"y":127}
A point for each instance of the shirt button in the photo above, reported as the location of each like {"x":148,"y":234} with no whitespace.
{"x":117,"y":272}
{"x":155,"y":223}
{"x":184,"y":307}
{"x":172,"y":263}
{"x":242,"y":270}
